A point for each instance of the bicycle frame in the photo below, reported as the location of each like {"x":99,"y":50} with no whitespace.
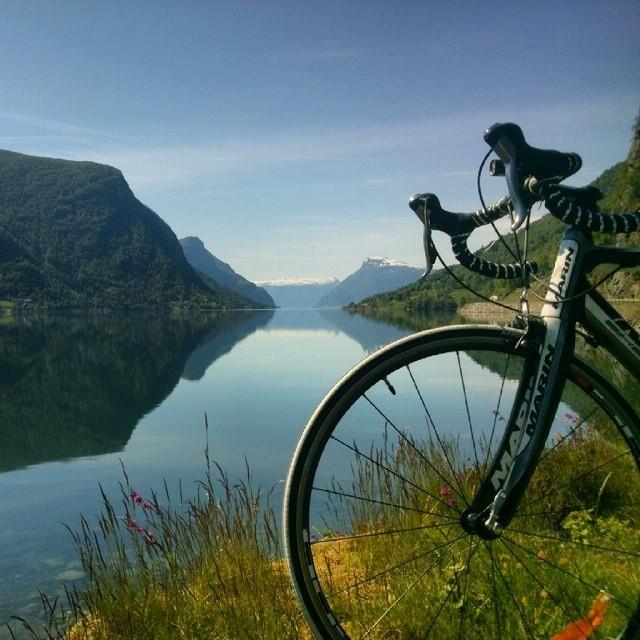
{"x":549,"y":344}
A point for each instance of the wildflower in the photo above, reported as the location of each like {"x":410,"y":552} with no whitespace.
{"x":147,"y":535}
{"x":445,"y":490}
{"x":136,"y":497}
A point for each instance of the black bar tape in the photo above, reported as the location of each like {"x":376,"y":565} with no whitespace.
{"x":569,"y":205}
{"x":484,"y":267}
{"x":493,"y":212}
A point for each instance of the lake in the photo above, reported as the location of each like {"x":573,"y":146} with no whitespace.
{"x":81,"y":396}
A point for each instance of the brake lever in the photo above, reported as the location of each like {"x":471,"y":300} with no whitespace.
{"x":426,"y":243}
{"x":426,"y":239}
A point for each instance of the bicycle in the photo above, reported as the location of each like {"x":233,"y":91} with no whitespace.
{"x":511,"y":512}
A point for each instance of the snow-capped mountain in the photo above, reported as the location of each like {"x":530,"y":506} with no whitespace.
{"x":376,"y":275}
{"x":298,"y":293}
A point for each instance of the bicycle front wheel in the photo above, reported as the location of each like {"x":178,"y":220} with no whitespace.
{"x":395,"y":453}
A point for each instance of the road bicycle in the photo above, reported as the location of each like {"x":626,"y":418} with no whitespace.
{"x":483,"y":481}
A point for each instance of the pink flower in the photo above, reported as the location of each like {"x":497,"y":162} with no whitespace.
{"x":132,"y":525}
{"x":445,"y":490}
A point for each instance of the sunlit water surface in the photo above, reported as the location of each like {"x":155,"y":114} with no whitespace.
{"x":82,"y":397}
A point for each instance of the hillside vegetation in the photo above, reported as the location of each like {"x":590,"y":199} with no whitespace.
{"x":73,"y":235}
{"x":620,"y":185}
{"x":204,"y":262}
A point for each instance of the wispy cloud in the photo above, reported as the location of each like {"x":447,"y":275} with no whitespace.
{"x":328,"y":52}
{"x":34,"y":127}
{"x":147,"y":162}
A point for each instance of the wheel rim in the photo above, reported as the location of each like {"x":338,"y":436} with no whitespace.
{"x":379,"y":550}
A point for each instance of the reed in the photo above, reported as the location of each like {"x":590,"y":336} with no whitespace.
{"x":159,"y":567}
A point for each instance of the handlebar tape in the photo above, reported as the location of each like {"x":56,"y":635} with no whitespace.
{"x":578,"y":206}
{"x":460,"y":226}
{"x":501,"y":270}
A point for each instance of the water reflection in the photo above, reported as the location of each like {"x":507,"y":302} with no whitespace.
{"x":97,"y":391}
{"x":73,"y":387}
{"x":221,"y":337}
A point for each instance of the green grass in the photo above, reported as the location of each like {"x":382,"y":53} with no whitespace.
{"x":456,"y":579}
{"x":210,"y":567}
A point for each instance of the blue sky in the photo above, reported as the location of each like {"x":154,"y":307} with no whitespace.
{"x":289,"y":135}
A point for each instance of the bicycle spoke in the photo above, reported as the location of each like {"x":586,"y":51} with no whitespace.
{"x":399,"y":599}
{"x":464,"y":591}
{"x":496,"y":417}
{"x":466,"y":404}
{"x":383,"y":503}
{"x":494,"y":586}
{"x":398,"y":565}
{"x":446,"y":599}
{"x":508,"y":590}
{"x":541,"y":584}
{"x":559,"y":569}
{"x":430,"y":422}
{"x":374,"y":534}
{"x":550,"y":513}
{"x":410,"y":442}
{"x":384,"y":476}
{"x":586,"y":545}
{"x":546,"y":495}
{"x":391,"y":471}
{"x":564,"y":438}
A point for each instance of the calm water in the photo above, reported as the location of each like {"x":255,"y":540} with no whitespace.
{"x":80,"y":396}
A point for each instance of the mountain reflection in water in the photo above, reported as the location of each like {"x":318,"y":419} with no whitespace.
{"x":73,"y":387}
{"x":83,"y":396}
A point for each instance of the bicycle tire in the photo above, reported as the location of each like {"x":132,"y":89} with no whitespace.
{"x":371,"y":519}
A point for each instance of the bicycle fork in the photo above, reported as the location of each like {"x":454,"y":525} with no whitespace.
{"x":548,"y":344}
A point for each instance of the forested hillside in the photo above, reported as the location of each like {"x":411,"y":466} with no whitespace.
{"x":73,"y":235}
{"x":620,"y":185}
{"x":202,"y":260}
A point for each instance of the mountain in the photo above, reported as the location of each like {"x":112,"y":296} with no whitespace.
{"x":72,"y":234}
{"x":298,"y":293}
{"x":376,"y":275}
{"x":203,"y":260}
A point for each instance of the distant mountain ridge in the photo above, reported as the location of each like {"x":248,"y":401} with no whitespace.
{"x":298,"y":293}
{"x":375,"y":276}
{"x":72,"y":234}
{"x":201,"y":259}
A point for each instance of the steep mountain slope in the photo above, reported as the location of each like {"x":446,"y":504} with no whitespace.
{"x":298,"y":293}
{"x":203,"y":260}
{"x":375,"y":275}
{"x":72,"y":234}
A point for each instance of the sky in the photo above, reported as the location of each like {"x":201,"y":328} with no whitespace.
{"x":289,"y":135}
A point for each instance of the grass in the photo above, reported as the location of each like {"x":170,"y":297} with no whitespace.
{"x":210,"y":567}
{"x":520,"y":585}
